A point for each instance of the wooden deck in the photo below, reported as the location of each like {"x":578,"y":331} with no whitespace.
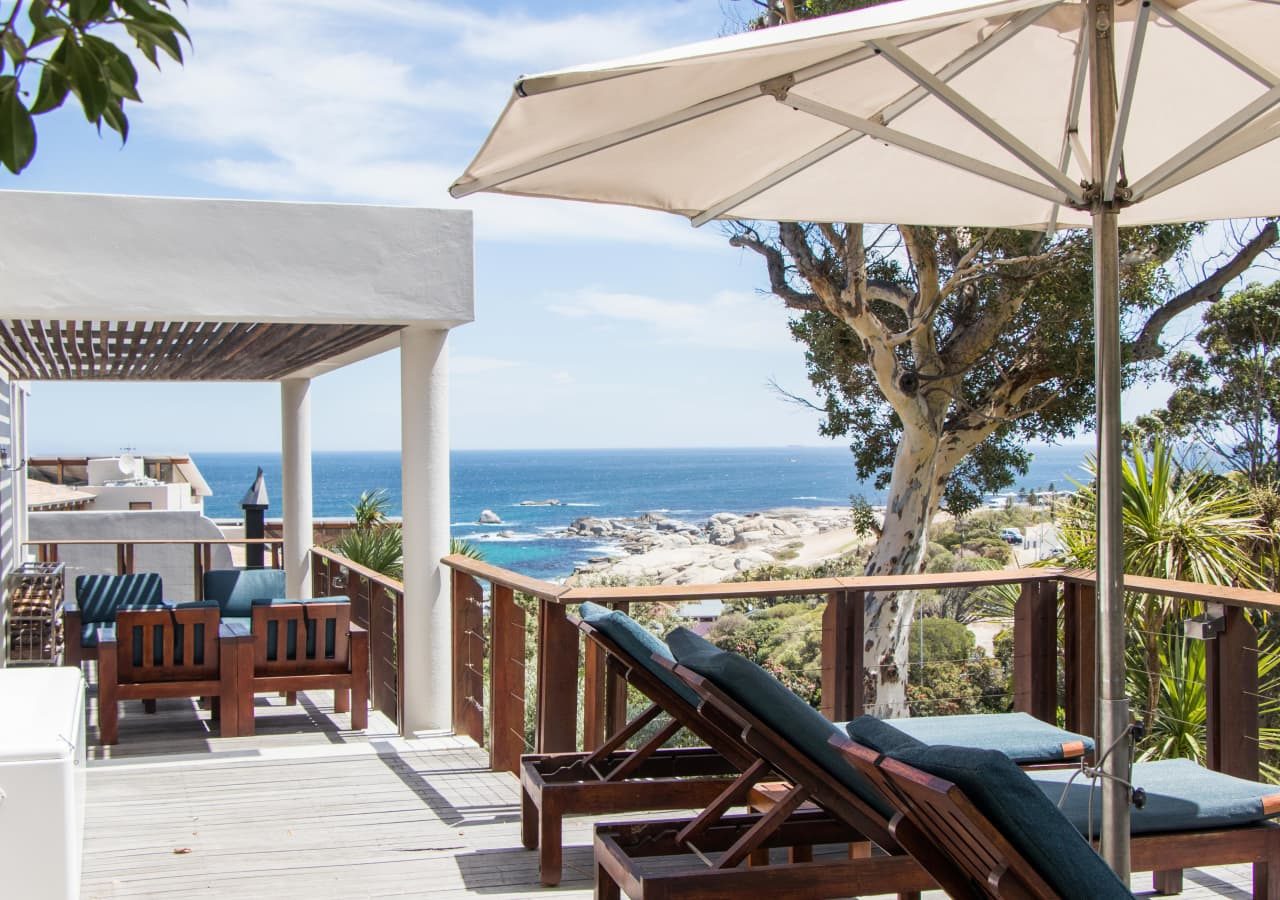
{"x":306,"y":809}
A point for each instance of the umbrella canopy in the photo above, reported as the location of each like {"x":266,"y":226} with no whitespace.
{"x":1019,"y":114}
{"x":930,"y":112}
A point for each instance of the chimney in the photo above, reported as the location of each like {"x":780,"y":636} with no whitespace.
{"x":255,"y":503}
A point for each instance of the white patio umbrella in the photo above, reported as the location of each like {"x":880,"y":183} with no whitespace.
{"x":938,"y":112}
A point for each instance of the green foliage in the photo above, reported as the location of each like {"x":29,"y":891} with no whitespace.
{"x":377,"y":543}
{"x":60,"y":40}
{"x":1180,"y":523}
{"x":1231,"y":389}
{"x":785,"y":639}
{"x":941,"y":640}
{"x":961,"y":605}
{"x":950,"y":675}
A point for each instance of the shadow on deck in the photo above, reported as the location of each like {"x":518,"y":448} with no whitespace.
{"x":309,"y":809}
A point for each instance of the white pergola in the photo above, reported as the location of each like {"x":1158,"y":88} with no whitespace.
{"x":155,"y":289}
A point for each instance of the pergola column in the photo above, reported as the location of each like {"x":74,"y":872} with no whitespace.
{"x":424,"y":462}
{"x":295,"y":433}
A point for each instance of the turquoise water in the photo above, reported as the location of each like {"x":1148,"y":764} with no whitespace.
{"x":684,"y":484}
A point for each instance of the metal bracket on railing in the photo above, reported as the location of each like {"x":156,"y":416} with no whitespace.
{"x":1208,"y":625}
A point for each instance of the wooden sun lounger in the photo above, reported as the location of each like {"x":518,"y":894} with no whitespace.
{"x":971,"y":858}
{"x":615,"y":780}
{"x":622,"y":849}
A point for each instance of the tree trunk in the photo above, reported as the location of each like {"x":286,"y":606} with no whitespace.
{"x":914,"y":494}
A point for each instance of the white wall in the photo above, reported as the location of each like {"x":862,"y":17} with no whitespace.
{"x":174,"y":563}
{"x":160,"y":496}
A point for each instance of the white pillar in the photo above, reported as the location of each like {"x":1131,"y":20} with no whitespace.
{"x":424,"y":473}
{"x":295,"y":432}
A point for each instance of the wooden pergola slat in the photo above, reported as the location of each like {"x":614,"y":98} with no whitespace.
{"x":139,"y":350}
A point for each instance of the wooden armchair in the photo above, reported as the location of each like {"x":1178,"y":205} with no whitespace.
{"x":98,"y":598}
{"x":180,"y":651}
{"x":308,"y":645}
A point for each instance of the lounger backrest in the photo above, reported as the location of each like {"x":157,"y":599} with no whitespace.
{"x":235,"y":589}
{"x":100,"y":597}
{"x":177,"y":643}
{"x":297,"y":638}
{"x":995,"y":824}
{"x":638,"y":643}
{"x":797,"y":736}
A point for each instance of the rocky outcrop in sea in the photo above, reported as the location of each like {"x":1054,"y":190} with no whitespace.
{"x":655,"y":548}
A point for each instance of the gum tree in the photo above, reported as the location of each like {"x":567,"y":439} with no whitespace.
{"x":941,"y":351}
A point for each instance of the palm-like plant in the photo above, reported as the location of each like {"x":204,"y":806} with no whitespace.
{"x":1181,"y":523}
{"x":377,"y":543}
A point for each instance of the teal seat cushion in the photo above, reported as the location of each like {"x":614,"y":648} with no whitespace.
{"x":764,"y":696}
{"x":1181,"y":796}
{"x":234,"y":590}
{"x":1025,"y":816}
{"x":638,"y":642}
{"x":1023,"y":738}
{"x":100,"y":597}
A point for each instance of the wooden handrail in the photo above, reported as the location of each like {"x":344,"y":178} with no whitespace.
{"x":534,"y":587}
{"x":352,"y":566}
{"x":733,"y":590}
{"x":1186,"y":590}
{"x":36,"y":542}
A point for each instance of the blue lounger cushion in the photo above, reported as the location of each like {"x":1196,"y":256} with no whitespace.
{"x":1181,"y":796}
{"x":236,"y":589}
{"x":1021,"y":737}
{"x":764,"y":696}
{"x":636,"y":640}
{"x":1025,"y":816}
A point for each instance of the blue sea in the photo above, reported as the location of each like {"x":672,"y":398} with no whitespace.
{"x":684,"y":484}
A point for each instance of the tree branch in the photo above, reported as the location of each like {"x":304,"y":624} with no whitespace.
{"x":777,"y":267}
{"x":1147,"y":344}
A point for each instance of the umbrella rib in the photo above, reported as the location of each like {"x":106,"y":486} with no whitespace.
{"x":887,"y":114}
{"x":1071,"y":133}
{"x":1112,"y":172}
{"x":1243,"y":141}
{"x":978,"y":119}
{"x":927,"y":148}
{"x":1159,"y":178}
{"x":670,"y":120}
{"x":1210,"y":40}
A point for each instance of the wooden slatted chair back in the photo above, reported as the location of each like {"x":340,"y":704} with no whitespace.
{"x":783,"y":757}
{"x":167,"y":645}
{"x":951,"y":837}
{"x":301,"y":638}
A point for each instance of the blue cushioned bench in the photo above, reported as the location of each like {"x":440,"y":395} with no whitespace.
{"x":98,"y":598}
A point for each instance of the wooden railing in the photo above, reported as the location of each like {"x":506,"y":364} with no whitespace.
{"x":490,"y":642}
{"x":201,"y":552}
{"x":377,"y":604}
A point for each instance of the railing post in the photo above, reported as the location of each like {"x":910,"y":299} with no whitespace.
{"x":468,"y":657}
{"x":506,"y":680}
{"x":557,"y":710}
{"x":843,"y":627}
{"x":593,"y":696}
{"x":1080,"y":659}
{"x":1035,"y":650}
{"x":1231,"y":690}
{"x":197,"y":573}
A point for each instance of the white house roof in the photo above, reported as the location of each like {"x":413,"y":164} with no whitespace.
{"x":134,"y":288}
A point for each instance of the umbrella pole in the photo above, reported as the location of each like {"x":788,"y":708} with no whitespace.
{"x":1113,"y":703}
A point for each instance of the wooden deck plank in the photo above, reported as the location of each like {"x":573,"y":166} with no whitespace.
{"x":306,"y":809}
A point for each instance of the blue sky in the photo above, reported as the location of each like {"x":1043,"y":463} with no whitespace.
{"x":596,"y":326}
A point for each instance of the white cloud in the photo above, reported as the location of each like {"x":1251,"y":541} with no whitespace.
{"x":728,"y":320}
{"x":301,"y":99}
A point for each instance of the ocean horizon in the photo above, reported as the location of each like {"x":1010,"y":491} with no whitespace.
{"x":686,"y":483}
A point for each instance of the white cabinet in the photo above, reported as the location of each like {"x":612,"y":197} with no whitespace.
{"x":42,"y":782}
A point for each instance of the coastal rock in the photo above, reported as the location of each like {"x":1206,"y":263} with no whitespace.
{"x":753,"y":537}
{"x":721,"y":534}
{"x":489,"y":517}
